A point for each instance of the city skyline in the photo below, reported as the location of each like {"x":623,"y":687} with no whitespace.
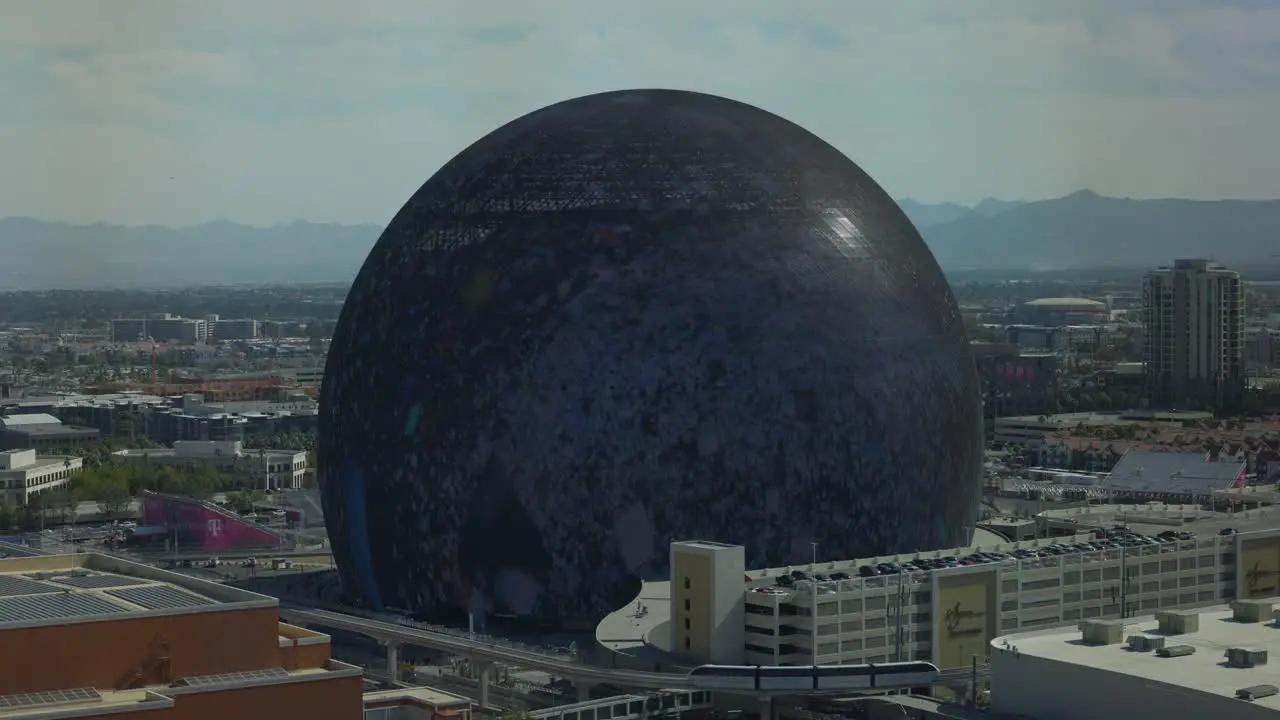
{"x":179,"y":114}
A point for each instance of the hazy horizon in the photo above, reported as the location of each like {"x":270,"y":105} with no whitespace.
{"x":383,"y":223}
{"x":159,"y":112}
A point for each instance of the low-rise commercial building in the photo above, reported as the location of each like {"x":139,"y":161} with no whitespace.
{"x":43,"y":432}
{"x":96,"y":636}
{"x":1212,"y":663}
{"x":417,"y":703}
{"x":267,"y":469}
{"x":23,"y":474}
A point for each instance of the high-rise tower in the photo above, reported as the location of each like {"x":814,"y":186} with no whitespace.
{"x":1193,"y":345}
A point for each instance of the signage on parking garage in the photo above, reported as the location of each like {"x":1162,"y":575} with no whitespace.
{"x":1260,"y":582}
{"x":954,"y":620}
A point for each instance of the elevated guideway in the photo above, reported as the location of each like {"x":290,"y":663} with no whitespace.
{"x":393,"y":635}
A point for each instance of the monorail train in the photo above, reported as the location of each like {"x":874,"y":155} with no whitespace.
{"x":814,"y":678}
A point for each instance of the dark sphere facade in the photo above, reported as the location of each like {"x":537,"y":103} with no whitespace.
{"x":631,"y":318}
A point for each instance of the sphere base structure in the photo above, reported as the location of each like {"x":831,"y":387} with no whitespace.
{"x":632,"y":318}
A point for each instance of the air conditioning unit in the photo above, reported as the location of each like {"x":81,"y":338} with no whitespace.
{"x":1257,"y":692}
{"x":1178,"y":622}
{"x":1145,"y":643}
{"x":1102,"y":632}
{"x":1246,"y":657}
{"x":1173,"y":651}
{"x":1251,"y":611}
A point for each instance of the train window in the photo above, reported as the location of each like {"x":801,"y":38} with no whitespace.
{"x":905,"y":668}
{"x":840,"y":670}
{"x":803,"y":671}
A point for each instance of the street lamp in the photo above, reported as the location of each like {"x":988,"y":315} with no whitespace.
{"x":814,"y":545}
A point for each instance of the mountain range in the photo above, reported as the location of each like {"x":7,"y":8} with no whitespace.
{"x":1083,"y":231}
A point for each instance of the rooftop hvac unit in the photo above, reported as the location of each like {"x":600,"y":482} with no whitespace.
{"x":1246,"y":657}
{"x":1178,"y":622}
{"x":1251,"y":611}
{"x":1102,"y":632}
{"x":1145,"y":643}
{"x":1173,"y":651}
{"x":1257,"y":692}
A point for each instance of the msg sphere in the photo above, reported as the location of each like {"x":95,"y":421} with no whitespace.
{"x":630,"y":318}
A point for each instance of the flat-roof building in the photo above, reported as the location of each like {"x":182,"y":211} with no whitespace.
{"x":1213,"y":663}
{"x":42,"y":432}
{"x":273,"y":469}
{"x":92,"y":635}
{"x":939,"y":606}
{"x":24,"y":475}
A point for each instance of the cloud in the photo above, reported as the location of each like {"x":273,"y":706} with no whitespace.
{"x":333,"y":110}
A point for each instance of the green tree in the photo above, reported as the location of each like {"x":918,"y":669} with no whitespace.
{"x":114,"y":500}
{"x":9,"y":516}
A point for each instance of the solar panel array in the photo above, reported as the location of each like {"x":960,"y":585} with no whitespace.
{"x":11,"y":585}
{"x":52,"y":697}
{"x":235,"y":677}
{"x":99,"y":581}
{"x":160,"y":597}
{"x":54,"y":606}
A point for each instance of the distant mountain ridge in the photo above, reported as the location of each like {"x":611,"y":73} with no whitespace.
{"x":1086,"y":230}
{"x":1080,"y":231}
{"x":37,"y":254}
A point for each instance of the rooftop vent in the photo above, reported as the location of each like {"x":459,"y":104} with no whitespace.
{"x":1102,"y":632}
{"x":1145,"y":643}
{"x":1173,"y":651}
{"x":1246,"y":657}
{"x":1257,"y":692}
{"x":1251,"y":611}
{"x":1178,"y":622}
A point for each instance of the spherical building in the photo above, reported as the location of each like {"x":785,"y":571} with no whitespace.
{"x":631,"y":318}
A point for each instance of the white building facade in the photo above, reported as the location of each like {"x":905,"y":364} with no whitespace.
{"x":23,"y":475}
{"x":274,"y":469}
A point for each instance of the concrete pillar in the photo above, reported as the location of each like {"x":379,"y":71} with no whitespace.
{"x":393,"y":659}
{"x":583,"y":689}
{"x":485,"y":677}
{"x":766,"y":707}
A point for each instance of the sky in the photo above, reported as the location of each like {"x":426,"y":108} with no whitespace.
{"x":178,"y":112}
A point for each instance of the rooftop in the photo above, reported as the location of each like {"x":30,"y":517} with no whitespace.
{"x":1066,"y":302}
{"x":86,"y":701}
{"x":17,"y":421}
{"x":415,"y":696}
{"x":89,"y":587}
{"x":641,"y":629}
{"x":1205,"y":670}
{"x":1173,"y":472}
